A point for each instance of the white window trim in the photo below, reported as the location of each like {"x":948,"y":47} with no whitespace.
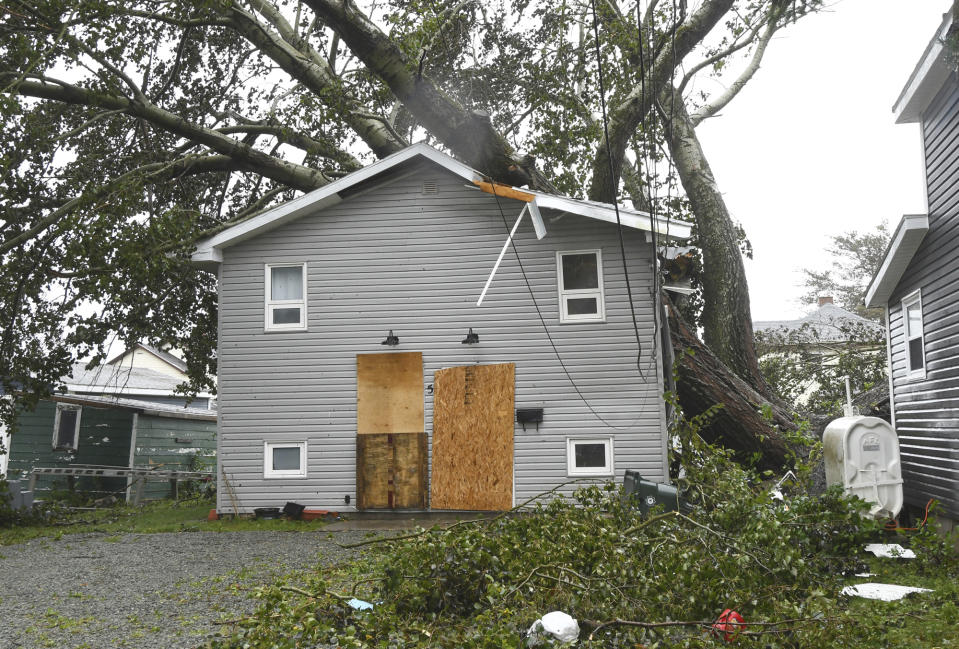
{"x":270,"y":304}
{"x":270,"y":472}
{"x":600,"y":472}
{"x":914,"y":298}
{"x":598,"y":293}
{"x":56,"y":427}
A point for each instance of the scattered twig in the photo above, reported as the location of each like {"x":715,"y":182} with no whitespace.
{"x":598,"y":626}
{"x":306,"y":593}
{"x":636,"y":528}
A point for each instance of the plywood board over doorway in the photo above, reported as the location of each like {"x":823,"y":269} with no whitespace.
{"x":389,"y":393}
{"x":473,"y":437}
{"x":391,"y":447}
{"x":391,"y":471}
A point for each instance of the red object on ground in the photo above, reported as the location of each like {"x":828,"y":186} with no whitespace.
{"x":212,"y":516}
{"x":314,"y":514}
{"x":730,"y":623}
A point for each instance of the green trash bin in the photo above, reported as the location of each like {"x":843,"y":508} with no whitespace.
{"x":647,"y":494}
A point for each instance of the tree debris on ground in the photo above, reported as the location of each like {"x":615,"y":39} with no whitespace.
{"x":630,"y":580}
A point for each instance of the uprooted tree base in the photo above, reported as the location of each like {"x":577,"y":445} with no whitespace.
{"x":748,"y":423}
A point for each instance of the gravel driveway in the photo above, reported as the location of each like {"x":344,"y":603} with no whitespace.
{"x":144,"y":590}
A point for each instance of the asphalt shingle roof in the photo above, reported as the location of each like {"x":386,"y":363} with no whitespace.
{"x":111,"y":377}
{"x":828,"y":323}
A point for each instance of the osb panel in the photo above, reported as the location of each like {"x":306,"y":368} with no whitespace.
{"x":374,"y":457}
{"x":389,"y":393}
{"x":409,"y":470}
{"x":391,"y":471}
{"x":473,"y":438}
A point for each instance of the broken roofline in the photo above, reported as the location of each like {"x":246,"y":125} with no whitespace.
{"x":208,"y":251}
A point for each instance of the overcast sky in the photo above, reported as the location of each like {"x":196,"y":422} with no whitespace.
{"x":809,"y":148}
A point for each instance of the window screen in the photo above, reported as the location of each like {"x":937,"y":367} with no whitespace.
{"x":286,"y":283}
{"x":580,"y":272}
{"x":286,"y":315}
{"x":590,"y":455}
{"x":286,"y":458}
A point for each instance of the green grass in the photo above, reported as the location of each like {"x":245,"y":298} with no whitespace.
{"x":153,"y":518}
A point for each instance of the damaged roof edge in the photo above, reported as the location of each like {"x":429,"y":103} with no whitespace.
{"x":209,"y":252}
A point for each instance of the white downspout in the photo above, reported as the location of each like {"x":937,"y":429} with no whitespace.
{"x":133,"y":452}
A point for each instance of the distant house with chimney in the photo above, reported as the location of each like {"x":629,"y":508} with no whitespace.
{"x":798,"y":355}
{"x":826,"y":331}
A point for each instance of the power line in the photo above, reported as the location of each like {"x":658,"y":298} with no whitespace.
{"x":549,"y":336}
{"x":614,"y":186}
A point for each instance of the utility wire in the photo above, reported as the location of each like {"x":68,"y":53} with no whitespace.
{"x":542,"y":320}
{"x":614,"y":186}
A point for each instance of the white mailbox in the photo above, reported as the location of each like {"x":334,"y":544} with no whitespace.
{"x":862,"y":455}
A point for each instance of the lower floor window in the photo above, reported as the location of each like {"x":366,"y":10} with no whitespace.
{"x":589,"y":456}
{"x":284,"y":459}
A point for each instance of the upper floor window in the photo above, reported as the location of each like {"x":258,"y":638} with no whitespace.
{"x":580,"y":274}
{"x":66,"y":428}
{"x":912,"y":323}
{"x":285,"y":297}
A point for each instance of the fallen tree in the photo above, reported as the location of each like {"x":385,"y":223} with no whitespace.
{"x":164,"y":132}
{"x":749,"y":423}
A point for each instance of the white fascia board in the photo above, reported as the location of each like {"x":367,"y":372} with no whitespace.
{"x":629,"y":218}
{"x":82,"y":389}
{"x":905,"y":241}
{"x":209,"y":253}
{"x":538,"y":225}
{"x":926,"y":79}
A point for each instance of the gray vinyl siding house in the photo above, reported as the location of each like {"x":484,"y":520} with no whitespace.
{"x":918,"y":283}
{"x":405,"y":246}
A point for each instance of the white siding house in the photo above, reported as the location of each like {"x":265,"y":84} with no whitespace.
{"x":310,"y":291}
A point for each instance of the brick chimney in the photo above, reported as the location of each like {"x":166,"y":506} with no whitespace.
{"x":825,"y":299}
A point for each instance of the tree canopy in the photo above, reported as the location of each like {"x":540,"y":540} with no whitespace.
{"x":134,"y":128}
{"x":856,"y":256}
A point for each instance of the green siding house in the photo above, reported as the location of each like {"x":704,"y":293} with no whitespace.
{"x":101,"y":431}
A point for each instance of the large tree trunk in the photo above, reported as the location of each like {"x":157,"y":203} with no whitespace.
{"x":626,"y":115}
{"x":739,"y":425}
{"x":726,"y":319}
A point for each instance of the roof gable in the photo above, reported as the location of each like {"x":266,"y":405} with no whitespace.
{"x":168,"y":358}
{"x":208,"y":251}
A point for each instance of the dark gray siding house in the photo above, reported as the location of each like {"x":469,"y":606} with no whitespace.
{"x":918,"y":284}
{"x":317,"y":408}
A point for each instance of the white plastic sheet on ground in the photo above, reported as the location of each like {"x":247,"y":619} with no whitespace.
{"x":891,"y":550}
{"x":885,"y":592}
{"x":557,"y":626}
